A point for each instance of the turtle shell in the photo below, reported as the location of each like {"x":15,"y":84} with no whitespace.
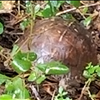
{"x":56,"y":40}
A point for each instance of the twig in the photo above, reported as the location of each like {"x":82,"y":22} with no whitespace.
{"x":5,"y":11}
{"x":21,"y":19}
{"x":53,"y":96}
{"x":87,"y":84}
{"x":72,"y":9}
{"x":18,"y":7}
{"x":90,"y":95}
{"x":35,"y":92}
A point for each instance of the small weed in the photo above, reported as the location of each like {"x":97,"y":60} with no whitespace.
{"x":62,"y":95}
{"x":21,"y":62}
{"x":91,"y":73}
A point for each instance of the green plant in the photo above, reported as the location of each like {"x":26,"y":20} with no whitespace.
{"x":50,"y":68}
{"x":91,"y":73}
{"x":74,"y":2}
{"x":1,"y":25}
{"x":87,"y":21}
{"x":32,"y":10}
{"x":50,"y":9}
{"x":21,"y":62}
{"x":1,"y":28}
{"x":0,"y":4}
{"x":8,"y":97}
{"x":15,"y":89}
{"x":62,"y":95}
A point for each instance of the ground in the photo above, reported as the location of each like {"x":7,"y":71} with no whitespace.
{"x":47,"y":89}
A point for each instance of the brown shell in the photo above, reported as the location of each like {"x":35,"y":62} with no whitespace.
{"x":53,"y":39}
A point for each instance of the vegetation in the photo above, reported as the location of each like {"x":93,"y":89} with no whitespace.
{"x":21,"y":62}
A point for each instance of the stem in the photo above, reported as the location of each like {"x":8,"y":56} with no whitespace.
{"x":18,"y":7}
{"x":72,"y":9}
{"x":32,"y":24}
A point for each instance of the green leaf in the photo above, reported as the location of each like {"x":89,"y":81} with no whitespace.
{"x":54,"y":3}
{"x":37,"y":8}
{"x":3,"y":79}
{"x":14,"y":50}
{"x":1,"y":48}
{"x":22,"y":61}
{"x":98,"y":71}
{"x":87,"y":21}
{"x":17,"y":89}
{"x":40,"y":79}
{"x":1,"y":28}
{"x":29,"y":56}
{"x":84,"y":11}
{"x":60,"y":89}
{"x":8,"y":97}
{"x":47,"y":11}
{"x":86,"y":74}
{"x":0,"y":4}
{"x":32,"y":76}
{"x":91,"y":70}
{"x":56,"y":68}
{"x":5,"y":97}
{"x":25,"y":93}
{"x":9,"y":87}
{"x":39,"y":14}
{"x":28,"y":6}
{"x":61,"y":95}
{"x":60,"y":2}
{"x":53,"y":67}
{"x":41,"y":67}
{"x":89,"y":65}
{"x":68,"y":17}
{"x":75,"y":3}
{"x":20,"y":65}
{"x":67,"y":98}
{"x":24,"y":24}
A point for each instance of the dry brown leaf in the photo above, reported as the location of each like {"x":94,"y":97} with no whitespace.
{"x":7,"y":5}
{"x":49,"y":87}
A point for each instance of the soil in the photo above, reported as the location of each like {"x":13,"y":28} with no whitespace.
{"x":91,"y":36}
